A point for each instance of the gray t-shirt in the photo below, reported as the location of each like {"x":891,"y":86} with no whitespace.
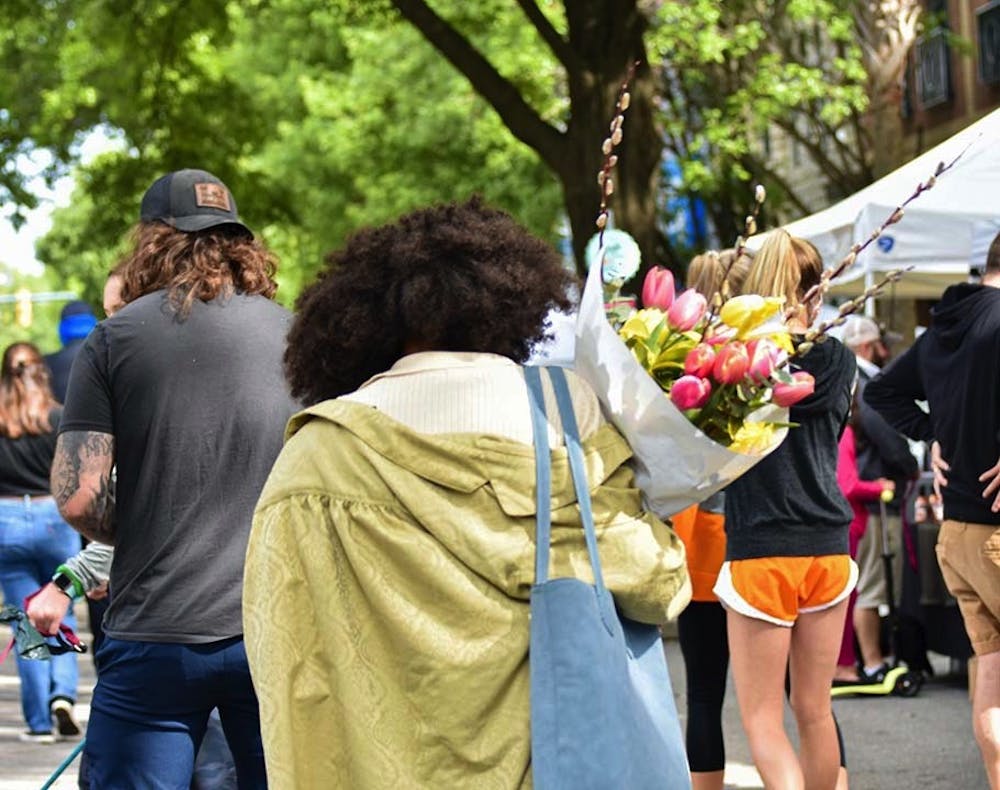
{"x":198,"y":409}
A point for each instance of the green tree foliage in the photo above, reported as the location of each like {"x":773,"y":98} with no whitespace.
{"x":325,"y":115}
{"x":321,"y":119}
{"x":737,"y":72}
{"x":42,"y":327}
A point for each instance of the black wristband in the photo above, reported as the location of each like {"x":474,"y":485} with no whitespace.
{"x":65,"y":584}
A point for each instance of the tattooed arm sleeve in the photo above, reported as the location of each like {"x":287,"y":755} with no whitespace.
{"x":81,"y":483}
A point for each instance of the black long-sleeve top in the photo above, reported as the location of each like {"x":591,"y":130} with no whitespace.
{"x":789,"y":504}
{"x":955,"y":367}
{"x":882,"y":451}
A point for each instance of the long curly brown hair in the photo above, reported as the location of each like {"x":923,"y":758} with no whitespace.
{"x":457,"y":277}
{"x":26,"y":397}
{"x":200,"y":265}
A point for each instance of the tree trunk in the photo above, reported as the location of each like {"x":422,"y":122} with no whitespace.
{"x":636,"y":176}
{"x":886,"y":32}
{"x":605,"y":36}
{"x":608,"y":38}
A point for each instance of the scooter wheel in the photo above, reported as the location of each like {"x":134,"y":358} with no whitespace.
{"x":908,"y":685}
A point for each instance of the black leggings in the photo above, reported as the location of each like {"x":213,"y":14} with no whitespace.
{"x":701,"y":629}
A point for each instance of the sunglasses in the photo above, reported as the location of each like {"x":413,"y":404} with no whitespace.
{"x":32,"y":645}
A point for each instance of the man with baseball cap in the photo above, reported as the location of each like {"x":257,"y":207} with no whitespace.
{"x":882,"y":453}
{"x":191,"y":200}
{"x":182,"y":389}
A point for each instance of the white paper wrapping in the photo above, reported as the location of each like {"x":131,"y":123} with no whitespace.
{"x":676,"y":465}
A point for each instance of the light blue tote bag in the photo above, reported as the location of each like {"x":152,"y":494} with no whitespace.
{"x":602,"y":709}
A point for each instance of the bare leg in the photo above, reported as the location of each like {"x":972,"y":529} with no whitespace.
{"x":986,"y":714}
{"x":815,"y":645}
{"x":867,"y":626}
{"x":707,"y":780}
{"x":758,"y":655}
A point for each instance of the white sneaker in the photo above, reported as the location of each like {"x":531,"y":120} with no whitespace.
{"x":62,"y":709}
{"x":37,"y":737}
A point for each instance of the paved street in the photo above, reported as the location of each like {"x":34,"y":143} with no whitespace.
{"x":893,"y":743}
{"x":27,"y":765}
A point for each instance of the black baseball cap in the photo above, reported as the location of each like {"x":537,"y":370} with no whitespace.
{"x":190,"y":200}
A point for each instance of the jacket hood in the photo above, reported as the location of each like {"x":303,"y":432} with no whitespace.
{"x":465,"y":462}
{"x":960,"y":308}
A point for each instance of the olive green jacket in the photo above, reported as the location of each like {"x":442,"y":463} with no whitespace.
{"x":386,"y":596}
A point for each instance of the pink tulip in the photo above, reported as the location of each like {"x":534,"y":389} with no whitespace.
{"x":687,"y":310}
{"x":731,"y":363}
{"x":699,"y":360}
{"x":764,"y":357}
{"x":690,"y":392}
{"x":720,"y":335}
{"x":658,"y":288}
{"x":802,"y":386}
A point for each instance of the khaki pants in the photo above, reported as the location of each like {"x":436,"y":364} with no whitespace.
{"x":973,"y":579}
{"x":871,"y":569}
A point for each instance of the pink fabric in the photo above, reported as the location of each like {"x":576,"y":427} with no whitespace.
{"x":858,"y":492}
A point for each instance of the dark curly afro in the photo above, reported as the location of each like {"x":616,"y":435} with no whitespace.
{"x":459,"y":277}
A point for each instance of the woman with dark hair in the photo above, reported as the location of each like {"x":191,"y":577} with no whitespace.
{"x":33,"y":537}
{"x":788,"y":573}
{"x":386,"y":595}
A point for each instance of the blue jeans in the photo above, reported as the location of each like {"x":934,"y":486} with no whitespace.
{"x":151,"y":707}
{"x":34,"y":540}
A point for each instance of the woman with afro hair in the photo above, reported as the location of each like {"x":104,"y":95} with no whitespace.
{"x":391,"y":559}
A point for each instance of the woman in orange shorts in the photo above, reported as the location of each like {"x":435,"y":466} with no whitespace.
{"x":788,"y":573}
{"x":701,"y":627}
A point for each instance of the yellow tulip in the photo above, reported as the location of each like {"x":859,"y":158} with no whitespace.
{"x":747,"y":312}
{"x":641,"y":324}
{"x":774,"y":331}
{"x":753,"y":438}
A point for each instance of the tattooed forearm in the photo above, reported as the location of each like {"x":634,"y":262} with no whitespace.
{"x":81,"y":475}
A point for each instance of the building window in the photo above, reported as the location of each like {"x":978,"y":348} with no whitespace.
{"x":933,"y":76}
{"x":988,"y":18}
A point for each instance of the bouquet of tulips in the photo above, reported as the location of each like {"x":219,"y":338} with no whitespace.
{"x":717,"y":369}
{"x":700,"y":397}
{"x":699,"y":387}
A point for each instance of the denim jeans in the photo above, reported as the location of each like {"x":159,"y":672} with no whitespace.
{"x":34,"y":540}
{"x":151,"y":708}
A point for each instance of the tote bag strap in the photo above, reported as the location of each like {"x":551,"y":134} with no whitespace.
{"x":572,"y":435}
{"x":543,"y":472}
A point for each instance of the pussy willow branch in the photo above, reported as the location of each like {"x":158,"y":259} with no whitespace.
{"x":749,"y":229}
{"x":819,"y":290}
{"x":847,"y":309}
{"x":611,"y":142}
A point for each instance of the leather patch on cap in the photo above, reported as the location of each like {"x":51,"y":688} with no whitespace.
{"x":212,"y":196}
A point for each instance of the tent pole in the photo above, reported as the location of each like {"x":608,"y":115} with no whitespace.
{"x":869,"y":303}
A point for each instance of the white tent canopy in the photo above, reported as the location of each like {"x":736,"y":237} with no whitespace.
{"x":943,"y":233}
